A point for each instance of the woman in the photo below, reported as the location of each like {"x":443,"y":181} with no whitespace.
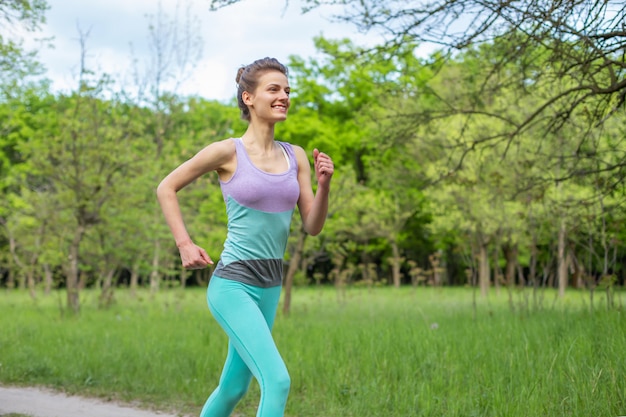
{"x":262,"y":180}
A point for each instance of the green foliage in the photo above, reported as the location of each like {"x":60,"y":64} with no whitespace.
{"x":15,"y":62}
{"x":436,"y":157}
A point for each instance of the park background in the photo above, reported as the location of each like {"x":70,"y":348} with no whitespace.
{"x":476,"y":215}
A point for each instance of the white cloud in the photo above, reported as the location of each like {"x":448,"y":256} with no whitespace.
{"x":232,"y":36}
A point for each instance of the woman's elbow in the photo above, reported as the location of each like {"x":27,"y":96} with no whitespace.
{"x":312,"y":222}
{"x":162,"y":190}
{"x":313,"y":232}
{"x":159,"y":190}
{"x":313,"y":229}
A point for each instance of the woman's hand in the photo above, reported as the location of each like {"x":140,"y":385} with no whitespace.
{"x":324,"y":168}
{"x":193,"y":256}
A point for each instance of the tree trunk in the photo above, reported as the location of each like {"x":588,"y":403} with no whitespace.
{"x":134,"y":279}
{"x":82,"y":280}
{"x":30,"y":282}
{"x":532,"y":272}
{"x":73,"y":300}
{"x":47,"y":279}
{"x":11,"y":278}
{"x":510,"y":255}
{"x":578,"y":279}
{"x":483,"y":269}
{"x":15,"y":263}
{"x":395,"y":264}
{"x":183,"y":277}
{"x":31,"y":276}
{"x":435,"y":262}
{"x":106,"y":293}
{"x":562,"y":260}
{"x":154,"y":275}
{"x":293,"y":268}
{"x":498,"y":276}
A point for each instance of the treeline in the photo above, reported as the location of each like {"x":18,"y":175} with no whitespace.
{"x":431,"y":188}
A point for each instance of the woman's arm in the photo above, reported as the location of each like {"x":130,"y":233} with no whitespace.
{"x":313,"y":208}
{"x":218,"y":156}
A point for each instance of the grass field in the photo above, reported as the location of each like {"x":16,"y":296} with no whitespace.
{"x":369,"y":353}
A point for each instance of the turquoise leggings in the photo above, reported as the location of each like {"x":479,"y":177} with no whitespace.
{"x":246,"y":313}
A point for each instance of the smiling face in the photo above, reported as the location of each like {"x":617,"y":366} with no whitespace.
{"x":270,"y":100}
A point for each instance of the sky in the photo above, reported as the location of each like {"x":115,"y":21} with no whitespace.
{"x":117,"y":39}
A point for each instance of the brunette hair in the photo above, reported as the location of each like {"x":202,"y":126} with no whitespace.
{"x":248,"y":77}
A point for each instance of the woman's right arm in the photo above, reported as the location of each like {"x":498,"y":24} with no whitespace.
{"x":218,"y":156}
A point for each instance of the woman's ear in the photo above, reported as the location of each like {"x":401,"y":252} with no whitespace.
{"x":246,"y":98}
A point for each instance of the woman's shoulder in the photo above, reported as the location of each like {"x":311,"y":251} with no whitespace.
{"x":228,"y":142}
{"x":224,"y":146}
{"x":217,"y":153}
{"x":296,"y":148}
{"x":300,"y":154}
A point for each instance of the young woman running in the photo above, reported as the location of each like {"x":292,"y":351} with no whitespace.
{"x":262,"y":181}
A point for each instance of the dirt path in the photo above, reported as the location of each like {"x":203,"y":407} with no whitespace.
{"x":38,"y":402}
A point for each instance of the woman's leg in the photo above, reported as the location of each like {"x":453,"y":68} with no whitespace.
{"x":246,"y":313}
{"x":233,"y":386}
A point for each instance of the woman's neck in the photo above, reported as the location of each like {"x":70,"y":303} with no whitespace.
{"x":259,"y":136}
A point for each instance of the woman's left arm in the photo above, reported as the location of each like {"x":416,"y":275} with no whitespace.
{"x":314,"y":208}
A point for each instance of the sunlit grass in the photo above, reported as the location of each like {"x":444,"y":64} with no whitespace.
{"x":381,"y":352}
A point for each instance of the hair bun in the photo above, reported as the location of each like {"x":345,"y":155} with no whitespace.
{"x":239,"y":74}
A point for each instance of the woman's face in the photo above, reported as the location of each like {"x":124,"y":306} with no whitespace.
{"x":270,"y":101}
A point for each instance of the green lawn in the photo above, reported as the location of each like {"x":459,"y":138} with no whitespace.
{"x":381,"y":353}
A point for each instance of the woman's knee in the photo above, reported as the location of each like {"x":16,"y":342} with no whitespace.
{"x":285,"y":384}
{"x":232,"y":393}
{"x":274,"y":396}
{"x":280,"y":382}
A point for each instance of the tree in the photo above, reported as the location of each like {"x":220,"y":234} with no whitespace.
{"x":83,"y":158}
{"x":24,"y":110}
{"x":494,"y":197}
{"x":338,"y":104}
{"x":175,"y":47}
{"x":16,"y":15}
{"x":580,"y":44}
{"x":15,"y":65}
